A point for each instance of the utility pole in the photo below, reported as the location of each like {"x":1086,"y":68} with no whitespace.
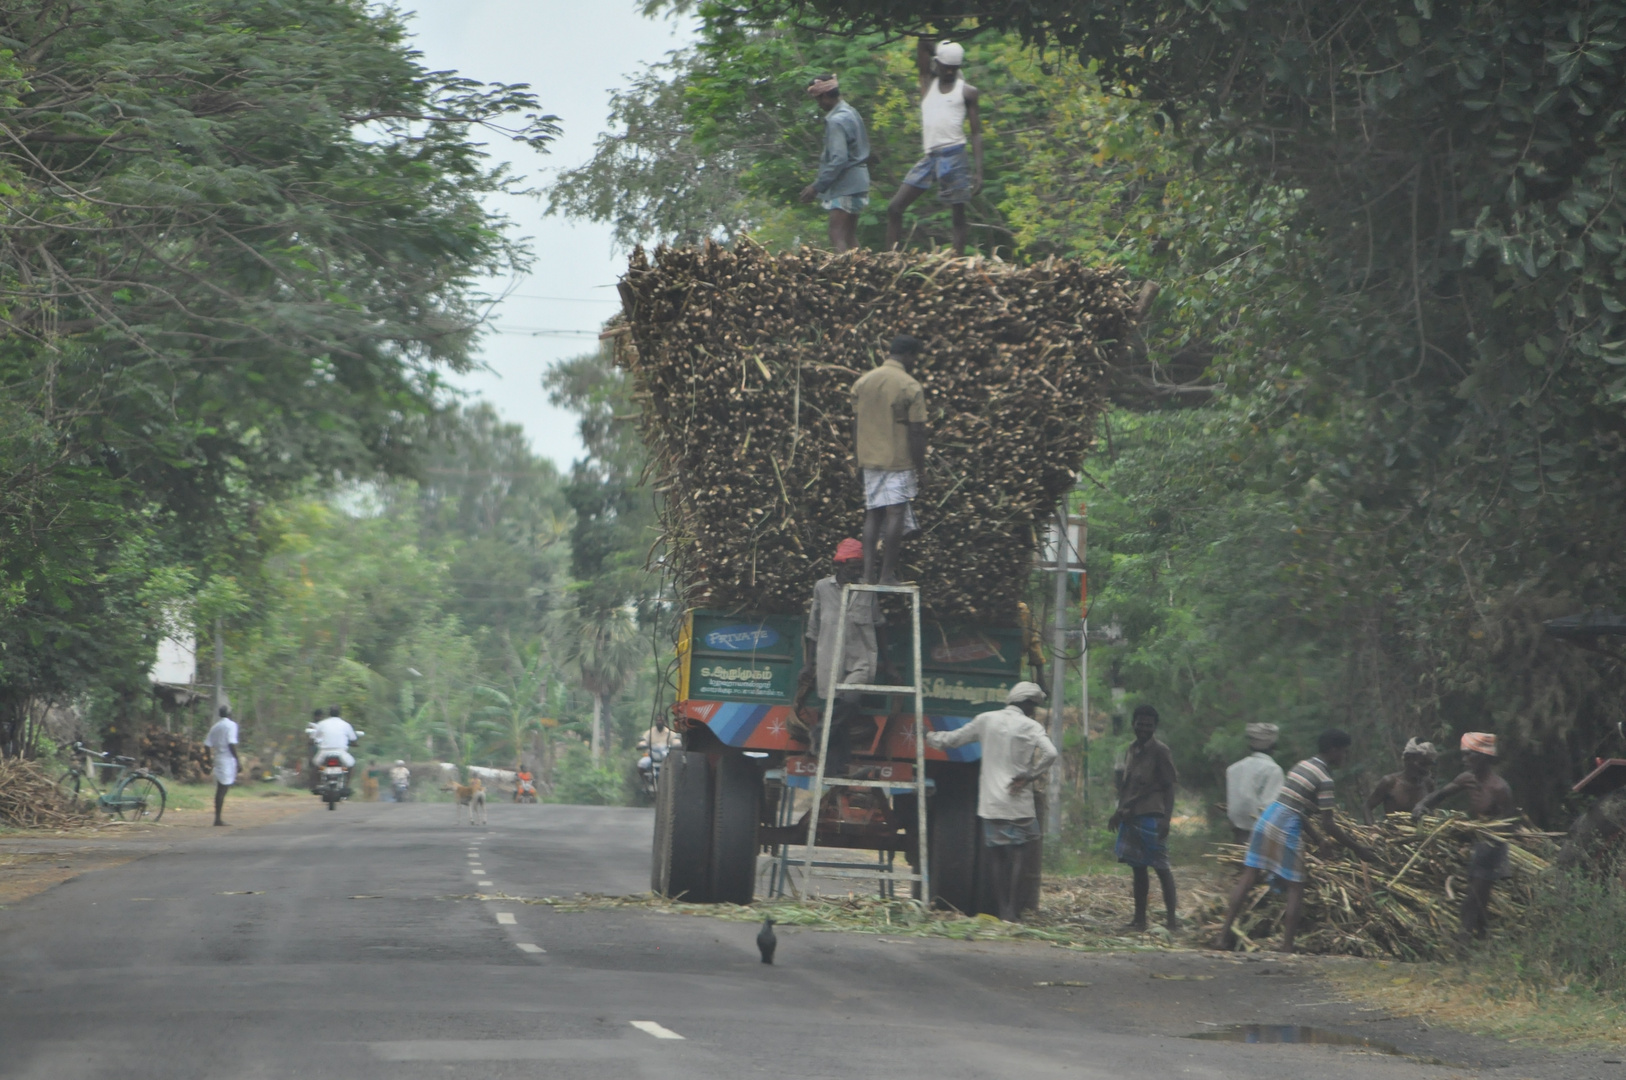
{"x":1058,"y":674}
{"x":1084,"y":644}
{"x":220,"y":669}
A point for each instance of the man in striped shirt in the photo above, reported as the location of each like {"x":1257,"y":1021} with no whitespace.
{"x":1277,"y":845}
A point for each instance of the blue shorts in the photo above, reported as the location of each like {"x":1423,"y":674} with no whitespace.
{"x":1139,"y":842}
{"x":951,"y":170}
{"x":852,"y":204}
{"x":1276,"y":846}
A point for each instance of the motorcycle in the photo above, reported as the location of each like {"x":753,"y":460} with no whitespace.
{"x":525,"y":790}
{"x":402,"y":790}
{"x":649,"y":770}
{"x":333,"y":780}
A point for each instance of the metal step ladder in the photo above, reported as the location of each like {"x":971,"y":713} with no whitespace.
{"x":821,"y":783}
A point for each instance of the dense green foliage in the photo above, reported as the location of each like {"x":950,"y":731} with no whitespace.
{"x":237,"y":246}
{"x":1389,"y":253}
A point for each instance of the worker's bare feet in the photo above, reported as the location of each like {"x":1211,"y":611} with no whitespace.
{"x":1136,"y":925}
{"x":1224,"y":942}
{"x":219,"y":822}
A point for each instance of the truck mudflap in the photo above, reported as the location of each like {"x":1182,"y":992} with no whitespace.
{"x":750,"y":726}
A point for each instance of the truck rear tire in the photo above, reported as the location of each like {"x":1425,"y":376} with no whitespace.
{"x":683,"y":825}
{"x":956,"y":836}
{"x":736,"y":809}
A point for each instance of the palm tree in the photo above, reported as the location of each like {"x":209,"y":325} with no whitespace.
{"x":603,"y":654}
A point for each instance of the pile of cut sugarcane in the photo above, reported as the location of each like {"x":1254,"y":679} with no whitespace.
{"x":1406,"y":903}
{"x":744,"y":361}
{"x":29,"y":798}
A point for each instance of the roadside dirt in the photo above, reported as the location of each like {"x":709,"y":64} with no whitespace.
{"x":34,"y":860}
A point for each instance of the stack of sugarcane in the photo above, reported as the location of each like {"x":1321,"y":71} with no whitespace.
{"x":744,"y":361}
{"x":29,"y":799}
{"x":172,"y":755}
{"x":1404,"y":904}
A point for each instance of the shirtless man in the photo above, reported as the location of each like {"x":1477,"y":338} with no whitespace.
{"x":949,"y":113}
{"x":1490,"y":799}
{"x":1401,"y":791}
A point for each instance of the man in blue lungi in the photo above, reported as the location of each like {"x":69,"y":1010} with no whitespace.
{"x":1146,"y":782}
{"x":1277,"y":846}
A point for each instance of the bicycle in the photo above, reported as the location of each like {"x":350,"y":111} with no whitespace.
{"x":135,"y":795}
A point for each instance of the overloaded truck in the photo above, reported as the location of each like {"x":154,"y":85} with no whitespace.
{"x":742,"y":363}
{"x":746,"y":750}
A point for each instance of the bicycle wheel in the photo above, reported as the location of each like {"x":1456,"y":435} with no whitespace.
{"x":72,"y":787}
{"x":140,"y":798}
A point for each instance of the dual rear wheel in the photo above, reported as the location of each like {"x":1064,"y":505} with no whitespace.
{"x":706,"y":814}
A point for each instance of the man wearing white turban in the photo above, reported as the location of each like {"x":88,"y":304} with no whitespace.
{"x":1398,"y":792}
{"x":1251,"y":784}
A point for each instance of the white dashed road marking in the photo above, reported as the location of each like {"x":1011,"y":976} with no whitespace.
{"x":485,"y":883}
{"x":505,"y":918}
{"x":649,"y":1027}
{"x":526,"y":946}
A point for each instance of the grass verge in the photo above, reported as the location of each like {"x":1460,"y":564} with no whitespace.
{"x":1482,"y":999}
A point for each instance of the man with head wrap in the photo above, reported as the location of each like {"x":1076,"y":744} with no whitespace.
{"x":1399,"y":792}
{"x":860,"y":658}
{"x":842,"y":185}
{"x":949,"y":106}
{"x":1015,"y":752}
{"x":1251,"y":784}
{"x":1491,"y":799}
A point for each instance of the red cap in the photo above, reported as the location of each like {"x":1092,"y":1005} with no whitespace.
{"x":848,"y":550}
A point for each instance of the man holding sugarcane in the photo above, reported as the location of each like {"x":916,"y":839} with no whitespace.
{"x":1304,"y":805}
{"x":1489,"y":799}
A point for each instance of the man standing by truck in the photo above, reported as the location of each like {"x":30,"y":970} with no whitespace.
{"x":889,"y":432}
{"x":1015,"y":752}
{"x":842,"y":185}
{"x":948,"y":106}
{"x":860,"y":654}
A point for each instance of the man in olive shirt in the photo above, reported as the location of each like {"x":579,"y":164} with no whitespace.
{"x":889,"y":430}
{"x":1145,"y":803}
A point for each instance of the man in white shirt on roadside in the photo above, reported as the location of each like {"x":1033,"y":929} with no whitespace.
{"x":333,"y":737}
{"x":1252,"y":783}
{"x":222,"y":743}
{"x":1015,"y":752}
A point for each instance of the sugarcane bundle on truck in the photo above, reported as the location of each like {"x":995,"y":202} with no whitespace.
{"x":745,"y":364}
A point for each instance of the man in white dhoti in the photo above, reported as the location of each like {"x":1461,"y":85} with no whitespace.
{"x":222,"y":742}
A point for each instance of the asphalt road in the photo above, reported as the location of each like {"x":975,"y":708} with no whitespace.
{"x":352,"y":944}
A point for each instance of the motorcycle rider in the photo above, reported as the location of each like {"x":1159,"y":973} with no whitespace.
{"x":659,"y":740}
{"x":524,"y":784}
{"x":400,"y":780}
{"x":333,"y":738}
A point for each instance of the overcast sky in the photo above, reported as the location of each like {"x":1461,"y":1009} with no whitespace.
{"x":573,"y":54}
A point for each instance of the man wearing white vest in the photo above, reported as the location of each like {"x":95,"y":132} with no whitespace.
{"x":948,"y":108}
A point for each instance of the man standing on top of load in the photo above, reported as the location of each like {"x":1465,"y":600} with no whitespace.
{"x":860,"y":653}
{"x":889,"y":430}
{"x":1251,"y":784}
{"x":842,"y":186}
{"x":948,"y":105}
{"x":1015,"y":752}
